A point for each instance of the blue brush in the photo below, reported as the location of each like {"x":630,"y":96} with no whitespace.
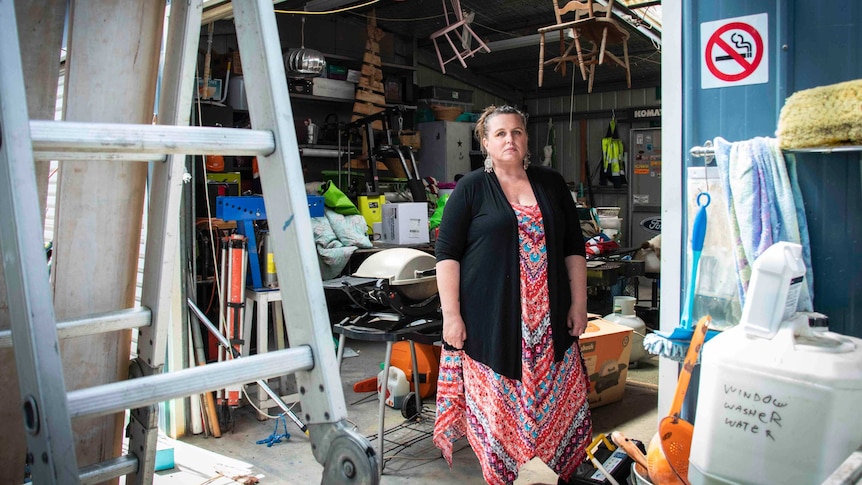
{"x":675,"y":343}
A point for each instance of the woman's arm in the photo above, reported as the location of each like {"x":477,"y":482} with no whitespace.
{"x":449,"y":289}
{"x":576,"y":266}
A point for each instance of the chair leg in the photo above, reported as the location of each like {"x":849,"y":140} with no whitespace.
{"x":456,"y":50}
{"x":628,"y":69}
{"x":563,"y":55}
{"x":478,"y":40}
{"x":603,"y":46}
{"x":541,"y":57}
{"x":439,"y":57}
{"x":580,"y":56}
{"x":592,"y":75}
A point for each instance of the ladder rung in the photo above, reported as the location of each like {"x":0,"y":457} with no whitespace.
{"x":79,"y":137}
{"x":93,"y":324}
{"x":144,"y":391}
{"x":92,"y":156}
{"x":106,"y":470}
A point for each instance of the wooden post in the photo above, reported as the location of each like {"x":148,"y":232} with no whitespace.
{"x":40,"y":32}
{"x":113,"y":56}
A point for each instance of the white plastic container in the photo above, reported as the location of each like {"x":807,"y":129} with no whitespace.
{"x":780,"y":410}
{"x":397,"y":386}
{"x":610,"y":222}
{"x":776,"y":280}
{"x":624,"y":314}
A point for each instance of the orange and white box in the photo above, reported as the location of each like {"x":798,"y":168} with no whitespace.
{"x":606,"y":347}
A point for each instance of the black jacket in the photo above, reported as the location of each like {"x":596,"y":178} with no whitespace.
{"x":479,"y":229}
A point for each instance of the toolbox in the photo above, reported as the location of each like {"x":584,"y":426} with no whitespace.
{"x":613,"y":459}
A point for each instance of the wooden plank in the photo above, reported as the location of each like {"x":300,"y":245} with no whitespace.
{"x":365,"y":109}
{"x":372,"y":72}
{"x":371,"y":58}
{"x":370,"y":97}
{"x":372,"y":85}
{"x":363,"y":164}
{"x":100,"y":206}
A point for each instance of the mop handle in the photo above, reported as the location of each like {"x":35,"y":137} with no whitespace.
{"x":698,"y":234}
{"x":698,"y":230}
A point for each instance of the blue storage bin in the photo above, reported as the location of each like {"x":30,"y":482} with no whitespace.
{"x":315,"y":205}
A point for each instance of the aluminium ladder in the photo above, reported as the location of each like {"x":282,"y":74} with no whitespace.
{"x":47,"y":408}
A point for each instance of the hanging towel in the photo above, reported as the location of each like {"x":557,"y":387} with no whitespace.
{"x":764,"y":205}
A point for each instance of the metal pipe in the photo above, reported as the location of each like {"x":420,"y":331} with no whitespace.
{"x":144,"y":391}
{"x":322,"y":152}
{"x":704,"y":151}
{"x":236,"y":355}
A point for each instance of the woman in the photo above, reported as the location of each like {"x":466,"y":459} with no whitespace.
{"x":511,"y":275}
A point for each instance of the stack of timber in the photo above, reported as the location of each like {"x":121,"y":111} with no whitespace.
{"x":370,"y":94}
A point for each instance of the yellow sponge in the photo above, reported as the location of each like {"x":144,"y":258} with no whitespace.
{"x":822,"y":117}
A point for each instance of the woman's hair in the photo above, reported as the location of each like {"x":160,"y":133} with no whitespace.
{"x":481,"y":130}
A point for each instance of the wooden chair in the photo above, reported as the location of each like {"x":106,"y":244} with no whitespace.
{"x":592,"y":24}
{"x":465,"y":38}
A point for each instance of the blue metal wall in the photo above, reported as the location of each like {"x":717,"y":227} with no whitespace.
{"x":810,"y":44}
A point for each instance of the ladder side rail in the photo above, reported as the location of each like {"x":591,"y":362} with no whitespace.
{"x":29,"y":296}
{"x":296,"y":259}
{"x":163,"y":230}
{"x":75,"y":136}
{"x":93,"y":324}
{"x":346,"y":456}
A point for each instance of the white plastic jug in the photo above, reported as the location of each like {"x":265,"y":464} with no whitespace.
{"x":624,"y":314}
{"x":779,"y":410}
{"x":776,"y":280}
{"x":397,"y":387}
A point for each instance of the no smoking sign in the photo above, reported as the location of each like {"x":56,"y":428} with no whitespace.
{"x":734,"y":52}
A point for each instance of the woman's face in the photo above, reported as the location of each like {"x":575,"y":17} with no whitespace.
{"x":506,"y":139}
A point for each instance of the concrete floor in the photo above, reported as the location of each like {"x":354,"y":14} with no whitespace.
{"x":205,"y":460}
{"x":199,"y":459}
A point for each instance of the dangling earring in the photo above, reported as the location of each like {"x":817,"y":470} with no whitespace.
{"x":489,"y":165}
{"x":527,"y":161}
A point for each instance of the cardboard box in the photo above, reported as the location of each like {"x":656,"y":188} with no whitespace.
{"x":606,"y":347}
{"x":333,"y":88}
{"x":405,"y":223}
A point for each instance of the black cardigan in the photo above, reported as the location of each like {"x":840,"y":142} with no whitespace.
{"x":479,"y":229}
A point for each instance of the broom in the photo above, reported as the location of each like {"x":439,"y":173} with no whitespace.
{"x":674,"y":344}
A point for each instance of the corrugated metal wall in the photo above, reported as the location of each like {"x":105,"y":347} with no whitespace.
{"x":566,"y":113}
{"x":808,"y":46}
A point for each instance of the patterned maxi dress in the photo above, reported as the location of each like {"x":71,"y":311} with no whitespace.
{"x":509,"y":422}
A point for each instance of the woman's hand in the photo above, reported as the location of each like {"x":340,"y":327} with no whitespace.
{"x":454,"y":331}
{"x":576,"y":321}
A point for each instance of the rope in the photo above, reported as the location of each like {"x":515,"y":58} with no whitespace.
{"x":276,"y":437}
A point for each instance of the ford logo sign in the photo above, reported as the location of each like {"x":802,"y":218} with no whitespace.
{"x":652,"y":224}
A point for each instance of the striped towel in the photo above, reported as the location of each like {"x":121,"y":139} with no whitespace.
{"x":764,"y":205}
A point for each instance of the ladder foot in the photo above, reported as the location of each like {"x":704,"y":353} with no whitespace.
{"x":348,"y":457}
